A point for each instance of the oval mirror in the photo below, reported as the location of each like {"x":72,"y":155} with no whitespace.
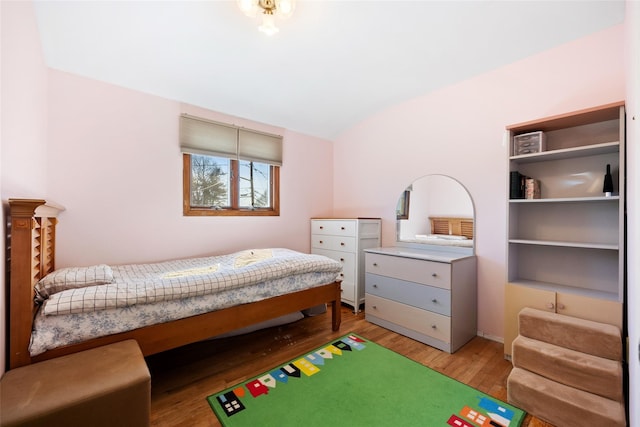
{"x":436,"y":211}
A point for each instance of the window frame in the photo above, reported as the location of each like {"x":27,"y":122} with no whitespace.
{"x":234,"y":210}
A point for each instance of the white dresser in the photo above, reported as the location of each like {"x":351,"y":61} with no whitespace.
{"x":344,"y":240}
{"x":430,"y":296}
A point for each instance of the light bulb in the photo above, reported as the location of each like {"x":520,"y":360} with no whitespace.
{"x":285,"y":8}
{"x":248,"y":7}
{"x":268,"y":25}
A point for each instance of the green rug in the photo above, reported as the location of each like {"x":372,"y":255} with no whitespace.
{"x":355,"y":382}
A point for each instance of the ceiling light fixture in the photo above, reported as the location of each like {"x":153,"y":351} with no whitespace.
{"x":270,"y":9}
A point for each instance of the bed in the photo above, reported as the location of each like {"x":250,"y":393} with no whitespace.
{"x":223,"y":293}
{"x":447,"y":231}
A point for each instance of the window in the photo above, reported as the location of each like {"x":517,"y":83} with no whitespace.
{"x":229,"y":170}
{"x":221,"y":186}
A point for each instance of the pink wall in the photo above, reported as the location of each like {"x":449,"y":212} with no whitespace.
{"x":118,"y":172}
{"x":24,"y":107}
{"x":24,"y":120}
{"x":459,"y":131}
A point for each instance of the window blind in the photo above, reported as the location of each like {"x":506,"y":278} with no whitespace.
{"x":201,"y":136}
{"x":259,"y":147}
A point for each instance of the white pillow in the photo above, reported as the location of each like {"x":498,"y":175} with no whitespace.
{"x":72,"y":278}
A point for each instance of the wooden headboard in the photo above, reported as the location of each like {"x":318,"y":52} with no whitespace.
{"x":32,"y":233}
{"x":454,"y":226}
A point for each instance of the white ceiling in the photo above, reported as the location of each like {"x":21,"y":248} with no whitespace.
{"x":333,"y":63}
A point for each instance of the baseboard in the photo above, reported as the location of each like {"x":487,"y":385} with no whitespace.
{"x":491,"y":337}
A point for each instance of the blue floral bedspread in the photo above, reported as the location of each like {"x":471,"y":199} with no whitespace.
{"x":55,"y":330}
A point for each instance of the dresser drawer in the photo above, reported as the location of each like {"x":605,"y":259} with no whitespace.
{"x":417,"y":295}
{"x":431,"y":273}
{"x":333,"y":243}
{"x":347,"y":259}
{"x":333,"y":227}
{"x":422,"y":321}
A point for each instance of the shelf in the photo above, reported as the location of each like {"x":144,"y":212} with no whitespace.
{"x":566,"y":153}
{"x":581,"y":245}
{"x":568,"y":200}
{"x":577,"y":118}
{"x":555,"y":287}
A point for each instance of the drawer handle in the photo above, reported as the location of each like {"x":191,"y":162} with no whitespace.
{"x":434,"y":327}
{"x":550,"y":306}
{"x":375,"y":307}
{"x":561,"y":306}
{"x":434,"y":275}
{"x":321,"y":242}
{"x":341,"y":243}
{"x":341,"y":228}
{"x":341,"y":259}
{"x":375,"y":286}
{"x":321,"y":227}
{"x":435,"y":301}
{"x":375,"y":264}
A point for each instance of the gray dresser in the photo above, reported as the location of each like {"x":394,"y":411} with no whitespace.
{"x":427,"y":295}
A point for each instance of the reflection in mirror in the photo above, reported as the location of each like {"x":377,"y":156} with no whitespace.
{"x":402,"y":210}
{"x":436,"y":210}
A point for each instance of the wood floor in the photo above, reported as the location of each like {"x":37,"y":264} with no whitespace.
{"x":181,"y":379}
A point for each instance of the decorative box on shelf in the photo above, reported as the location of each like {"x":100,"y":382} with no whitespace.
{"x":529,"y":143}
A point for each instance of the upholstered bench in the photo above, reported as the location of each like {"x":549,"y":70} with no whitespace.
{"x":104,"y":386}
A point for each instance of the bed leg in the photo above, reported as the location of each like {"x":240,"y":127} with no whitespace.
{"x":336,"y":315}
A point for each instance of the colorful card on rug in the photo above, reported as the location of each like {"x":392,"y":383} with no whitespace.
{"x":353,"y":381}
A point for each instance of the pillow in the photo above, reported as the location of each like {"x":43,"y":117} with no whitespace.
{"x":72,"y":278}
{"x":252,"y":256}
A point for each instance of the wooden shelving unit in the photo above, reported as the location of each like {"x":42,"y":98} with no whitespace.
{"x":566,"y":249}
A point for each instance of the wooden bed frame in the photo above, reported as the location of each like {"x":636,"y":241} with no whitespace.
{"x":453,"y":226}
{"x":32,"y":256}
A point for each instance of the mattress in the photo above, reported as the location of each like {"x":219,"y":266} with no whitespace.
{"x":59,"y":328}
